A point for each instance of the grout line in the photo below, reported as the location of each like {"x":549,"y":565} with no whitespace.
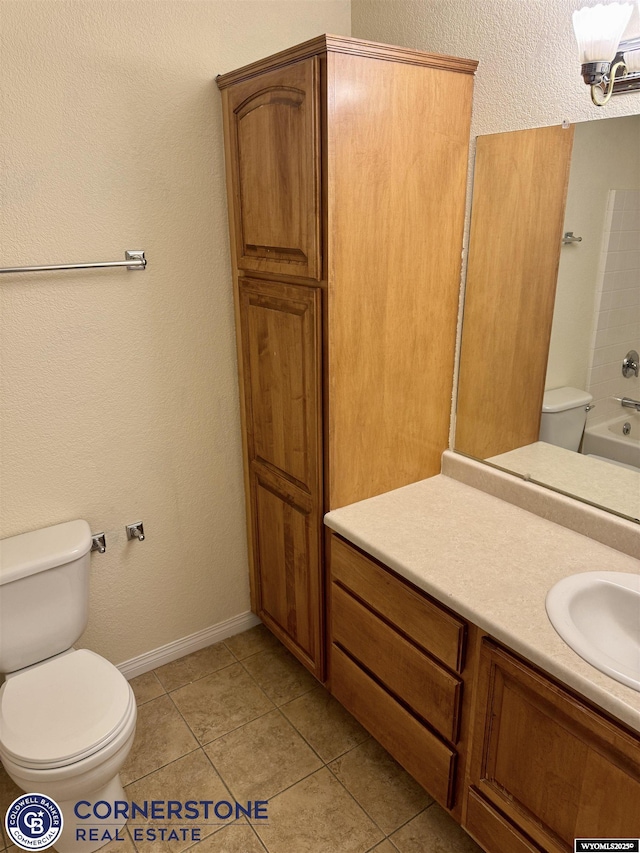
{"x":262,"y":688}
{"x":195,"y":680}
{"x":260,"y":841}
{"x":301,"y":736}
{"x":173,"y":760}
{"x":287,"y":787}
{"x":139,"y":703}
{"x":422,"y":811}
{"x":170,"y":695}
{"x":360,"y":806}
{"x":236,"y":728}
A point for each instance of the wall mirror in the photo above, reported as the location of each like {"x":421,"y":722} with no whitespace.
{"x":544,"y":310}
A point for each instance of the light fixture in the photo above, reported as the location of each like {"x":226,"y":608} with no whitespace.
{"x":610,"y":65}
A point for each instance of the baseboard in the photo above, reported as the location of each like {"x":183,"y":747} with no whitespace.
{"x":186,"y":645}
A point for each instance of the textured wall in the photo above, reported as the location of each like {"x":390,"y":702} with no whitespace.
{"x":119,"y":390}
{"x":617,"y":326}
{"x":528,"y":75}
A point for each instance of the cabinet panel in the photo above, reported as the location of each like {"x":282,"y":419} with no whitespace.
{"x":274,"y":137}
{"x":288,"y":563}
{"x":427,"y":688}
{"x":492,"y":830}
{"x":557,"y":768}
{"x":424,"y":621}
{"x":514,"y":253}
{"x":419,"y":751}
{"x":398,"y":149}
{"x":281,"y":348}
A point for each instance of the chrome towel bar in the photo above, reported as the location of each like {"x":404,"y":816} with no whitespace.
{"x":135,"y":260}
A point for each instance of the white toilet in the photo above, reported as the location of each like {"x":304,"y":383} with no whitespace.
{"x":67,"y":716}
{"x":564,"y":415}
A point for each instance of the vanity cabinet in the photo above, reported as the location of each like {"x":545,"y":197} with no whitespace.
{"x":521,"y":762}
{"x":546,"y":767}
{"x":346,"y":171}
{"x":398,"y":664}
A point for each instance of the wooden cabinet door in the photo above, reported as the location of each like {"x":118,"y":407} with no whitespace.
{"x":281,"y":370}
{"x":273,"y":130}
{"x":555,"y":767}
{"x":288,"y":565}
{"x":280,"y":328}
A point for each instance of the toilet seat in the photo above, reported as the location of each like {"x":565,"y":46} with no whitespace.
{"x":63,"y":711}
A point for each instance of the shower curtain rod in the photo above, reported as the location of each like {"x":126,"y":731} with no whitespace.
{"x":135,"y":260}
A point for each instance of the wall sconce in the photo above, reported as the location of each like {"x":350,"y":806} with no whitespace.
{"x":609,"y":66}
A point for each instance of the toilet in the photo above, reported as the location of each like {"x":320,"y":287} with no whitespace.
{"x":67,"y":716}
{"x":564,"y":415}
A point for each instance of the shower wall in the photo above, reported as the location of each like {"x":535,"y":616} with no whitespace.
{"x":616,"y":328}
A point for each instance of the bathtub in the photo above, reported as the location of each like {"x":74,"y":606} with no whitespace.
{"x":608,"y":440}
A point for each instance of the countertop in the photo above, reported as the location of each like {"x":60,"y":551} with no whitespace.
{"x":493,"y":563}
{"x":595,"y":480}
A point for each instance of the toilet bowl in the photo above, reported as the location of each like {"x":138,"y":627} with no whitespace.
{"x":67,"y":718}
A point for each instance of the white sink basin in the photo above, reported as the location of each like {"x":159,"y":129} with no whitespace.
{"x":598,"y":615}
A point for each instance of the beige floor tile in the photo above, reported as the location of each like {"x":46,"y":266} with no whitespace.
{"x":280,"y":675}
{"x":9,"y":791}
{"x":324,"y":723}
{"x":189,"y":778}
{"x":385,"y":847}
{"x":236,"y":838}
{"x":433,"y":831}
{"x":221,"y":702}
{"x":161,"y":737}
{"x":384,"y":790}
{"x":262,"y":758}
{"x":146,"y":687}
{"x":258,"y":639}
{"x":317,"y":815}
{"x":194,"y":666}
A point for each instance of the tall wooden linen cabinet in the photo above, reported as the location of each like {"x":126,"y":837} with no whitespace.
{"x":346,"y":170}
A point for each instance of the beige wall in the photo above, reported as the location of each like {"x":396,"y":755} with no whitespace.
{"x":119,"y":391}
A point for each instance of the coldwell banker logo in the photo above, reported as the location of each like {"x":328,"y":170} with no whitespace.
{"x":33,"y":822}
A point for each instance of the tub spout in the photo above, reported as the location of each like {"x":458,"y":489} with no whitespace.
{"x":628,"y":403}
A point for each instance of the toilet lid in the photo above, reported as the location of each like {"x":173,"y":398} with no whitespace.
{"x":62,"y":711}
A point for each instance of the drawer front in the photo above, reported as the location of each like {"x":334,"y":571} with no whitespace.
{"x":425,"y":686}
{"x":492,"y":831}
{"x":429,"y":625}
{"x":419,"y":751}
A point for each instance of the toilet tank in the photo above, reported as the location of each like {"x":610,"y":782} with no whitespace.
{"x":44,"y":593}
{"x":564,"y":414}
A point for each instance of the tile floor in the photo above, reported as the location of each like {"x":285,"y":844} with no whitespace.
{"x":243,"y":720}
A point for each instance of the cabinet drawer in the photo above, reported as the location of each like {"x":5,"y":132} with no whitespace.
{"x":492,"y":830}
{"x":424,"y":621}
{"x":419,"y":751}
{"x":426,"y":687}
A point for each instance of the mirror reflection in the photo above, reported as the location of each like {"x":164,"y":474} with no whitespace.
{"x":551,"y":324}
